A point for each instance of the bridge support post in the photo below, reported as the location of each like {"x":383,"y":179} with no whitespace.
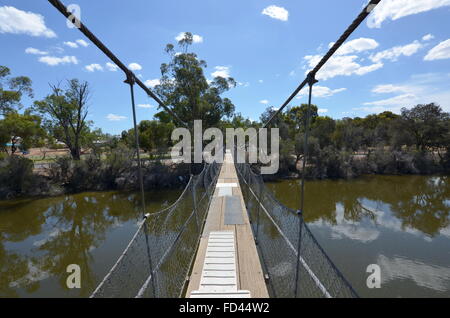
{"x":311,"y":81}
{"x":194,"y":203}
{"x":131,"y":81}
{"x":259,"y":212}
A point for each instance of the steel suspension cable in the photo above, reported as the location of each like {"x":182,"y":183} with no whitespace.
{"x":364,"y":13}
{"x":83,"y":29}
{"x":311,"y":82}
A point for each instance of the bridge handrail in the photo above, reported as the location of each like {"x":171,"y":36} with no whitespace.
{"x":142,"y":260}
{"x":325,"y":279}
{"x":180,"y":197}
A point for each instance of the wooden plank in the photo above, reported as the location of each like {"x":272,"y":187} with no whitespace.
{"x":196,"y":275}
{"x":213,"y":219}
{"x":249,"y":274}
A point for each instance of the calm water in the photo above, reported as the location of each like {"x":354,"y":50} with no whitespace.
{"x":39,"y":238}
{"x":401,"y":223}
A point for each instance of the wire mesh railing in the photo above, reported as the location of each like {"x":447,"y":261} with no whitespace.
{"x":158,"y":258}
{"x":277,"y":229}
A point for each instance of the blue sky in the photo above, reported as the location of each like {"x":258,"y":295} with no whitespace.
{"x":399,"y":57}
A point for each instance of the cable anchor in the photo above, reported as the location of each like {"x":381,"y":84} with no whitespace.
{"x":130,"y":78}
{"x":311,"y":78}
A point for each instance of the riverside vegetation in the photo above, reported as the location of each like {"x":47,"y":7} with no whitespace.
{"x":416,"y":141}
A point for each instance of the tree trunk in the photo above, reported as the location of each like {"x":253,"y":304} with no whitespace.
{"x":75,"y":153}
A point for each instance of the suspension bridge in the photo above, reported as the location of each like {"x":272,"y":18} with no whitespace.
{"x":226,"y":235}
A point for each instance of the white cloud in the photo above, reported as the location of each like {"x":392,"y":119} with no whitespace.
{"x":145,"y":106}
{"x":71,"y":44}
{"x":420,"y":89}
{"x":264,"y":101}
{"x":82,"y":42}
{"x":439,"y":52}
{"x":396,"y":9}
{"x":53,"y":60}
{"x":32,"y":50}
{"x":428,"y":37}
{"x":369,"y":68}
{"x":344,"y":65}
{"x":112,"y":67}
{"x":16,"y":21}
{"x":275,"y":12}
{"x":113,"y":117}
{"x":320,"y":91}
{"x":75,"y":44}
{"x":221,"y":71}
{"x":57,"y":49}
{"x":389,"y":88}
{"x":322,"y":110}
{"x":152,"y":83}
{"x":93,"y":67}
{"x":135,"y":67}
{"x":397,"y":268}
{"x":394,"y":53}
{"x":195,"y":37}
{"x":405,"y":99}
{"x":357,"y":45}
{"x":260,"y":81}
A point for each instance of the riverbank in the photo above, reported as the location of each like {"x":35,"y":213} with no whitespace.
{"x":117,"y":171}
{"x":18,"y":178}
{"x":331,"y":163}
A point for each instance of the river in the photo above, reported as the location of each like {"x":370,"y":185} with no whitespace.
{"x":401,"y":223}
{"x":39,"y":238}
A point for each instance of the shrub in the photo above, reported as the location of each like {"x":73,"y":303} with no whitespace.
{"x":17,"y":178}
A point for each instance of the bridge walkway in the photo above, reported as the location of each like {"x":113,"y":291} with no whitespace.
{"x":227,"y":213}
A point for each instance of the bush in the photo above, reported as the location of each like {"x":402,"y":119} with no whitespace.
{"x":17,"y":178}
{"x":331,"y":163}
{"x":117,"y":171}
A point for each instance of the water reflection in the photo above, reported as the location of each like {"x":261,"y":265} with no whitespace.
{"x":424,"y":275}
{"x":40,"y":238}
{"x":420,"y":203}
{"x":401,"y":223}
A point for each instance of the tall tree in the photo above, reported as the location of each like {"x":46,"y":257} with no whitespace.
{"x":296,"y":116}
{"x":18,"y":128}
{"x":153,"y":135}
{"x":12,"y":90}
{"x":65,"y":112}
{"x":184,"y":88}
{"x":428,"y":123}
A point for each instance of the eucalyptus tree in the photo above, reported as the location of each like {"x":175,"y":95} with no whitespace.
{"x":185,"y":89}
{"x":65,"y":112}
{"x":24,"y":129}
{"x":11,"y":90}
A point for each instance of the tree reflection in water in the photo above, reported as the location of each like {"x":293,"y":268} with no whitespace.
{"x":40,"y":238}
{"x":401,"y":223}
{"x":421,"y":203}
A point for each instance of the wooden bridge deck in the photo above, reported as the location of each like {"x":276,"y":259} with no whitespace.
{"x":248,"y":267}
